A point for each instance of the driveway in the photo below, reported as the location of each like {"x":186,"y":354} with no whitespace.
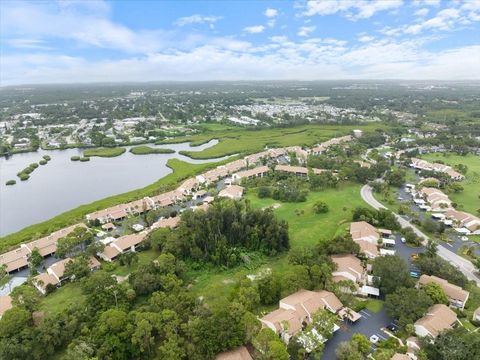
{"x":369,"y":324}
{"x":465,"y":266}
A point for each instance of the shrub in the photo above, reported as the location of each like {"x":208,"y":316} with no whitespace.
{"x":83,"y":159}
{"x":47,"y":157}
{"x":264,"y":192}
{"x":23,"y":176}
{"x":75,"y":158}
{"x":43,"y":162}
{"x":10,"y":182}
{"x":320,"y":207}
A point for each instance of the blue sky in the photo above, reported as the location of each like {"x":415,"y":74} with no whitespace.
{"x":96,"y":41}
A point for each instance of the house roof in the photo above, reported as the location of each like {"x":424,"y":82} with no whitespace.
{"x":437,"y":319}
{"x":368,"y":248}
{"x":127,"y":241}
{"x":253,"y":172}
{"x":44,"y":279}
{"x":292,"y":169}
{"x":171,"y":222}
{"x":15,"y":259}
{"x":292,"y":317}
{"x":348,"y":263}
{"x":451,"y":290}
{"x":361,"y":229}
{"x":110,"y":252}
{"x":240,"y":353}
{"x":398,"y":356}
{"x":233,"y":191}
{"x":5,"y":304}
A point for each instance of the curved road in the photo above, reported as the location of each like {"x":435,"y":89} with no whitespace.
{"x":465,"y":266}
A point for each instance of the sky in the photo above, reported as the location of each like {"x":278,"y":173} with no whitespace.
{"x":114,"y":41}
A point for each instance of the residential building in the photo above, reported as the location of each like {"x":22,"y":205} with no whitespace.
{"x":297,"y":170}
{"x":438,"y":318}
{"x":436,"y":167}
{"x":234,"y":192}
{"x":465,"y":220}
{"x":297,"y":310}
{"x":5,"y":304}
{"x":259,"y":171}
{"x":398,"y":356}
{"x":456,"y":295}
{"x":18,"y":259}
{"x":55,"y":274}
{"x":436,"y":198}
{"x":240,"y":353}
{"x":348,"y":267}
{"x":171,"y":222}
{"x":367,"y":237}
{"x":122,"y":245}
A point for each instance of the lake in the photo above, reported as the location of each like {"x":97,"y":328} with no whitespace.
{"x":63,"y":184}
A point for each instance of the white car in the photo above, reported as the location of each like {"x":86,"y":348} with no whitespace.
{"x":464,"y":238}
{"x":374,"y":339}
{"x":403,"y":240}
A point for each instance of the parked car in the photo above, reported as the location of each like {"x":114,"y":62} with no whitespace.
{"x":374,"y":339}
{"x":414,"y":274}
{"x":464,"y":238}
{"x":403,"y":240}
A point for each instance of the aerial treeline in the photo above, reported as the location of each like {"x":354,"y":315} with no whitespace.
{"x":224,"y":232}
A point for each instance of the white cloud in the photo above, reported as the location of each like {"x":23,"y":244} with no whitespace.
{"x":197,"y":19}
{"x":35,"y":44}
{"x":271,"y":12}
{"x":421,"y":12}
{"x":352,"y":9}
{"x":365,"y":38}
{"x":306,"y":30}
{"x":256,"y":29}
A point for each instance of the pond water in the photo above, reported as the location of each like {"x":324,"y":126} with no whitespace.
{"x":63,"y":184}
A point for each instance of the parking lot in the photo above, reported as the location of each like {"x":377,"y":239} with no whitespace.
{"x":369,"y":324}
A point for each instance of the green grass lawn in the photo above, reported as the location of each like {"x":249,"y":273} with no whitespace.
{"x":469,"y":198}
{"x":235,"y":140}
{"x":304,"y":229}
{"x":62,"y":298}
{"x":374,"y":305}
{"x":144,"y":150}
{"x":104,"y":152}
{"x":144,"y":258}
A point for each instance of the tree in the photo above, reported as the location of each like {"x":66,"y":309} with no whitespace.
{"x":431,"y":248}
{"x":391,"y":272}
{"x":142,"y":337}
{"x":363,"y":344}
{"x":436,"y":293}
{"x":396,"y":177}
{"x":34,"y":260}
{"x":269,"y":346}
{"x":407,"y":305}
{"x":455,"y":344}
{"x":347,"y":350}
{"x":26,"y":297}
{"x":77,"y":268}
{"x":4,"y":277}
{"x":441,"y":268}
{"x":320,"y":207}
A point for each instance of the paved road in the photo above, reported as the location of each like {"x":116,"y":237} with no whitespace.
{"x":465,"y":266}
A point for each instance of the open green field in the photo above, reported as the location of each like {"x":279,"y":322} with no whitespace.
{"x":181,"y":171}
{"x":62,"y":298}
{"x":243,"y":141}
{"x":469,"y":198}
{"x":305,"y":229}
{"x":104,"y":152}
{"x":144,"y":150}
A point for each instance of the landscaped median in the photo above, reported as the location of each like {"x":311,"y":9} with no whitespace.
{"x":104,"y":152}
{"x":180,"y":171}
{"x":145,"y":150}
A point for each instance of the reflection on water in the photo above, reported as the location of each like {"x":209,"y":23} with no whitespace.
{"x":63,"y":184}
